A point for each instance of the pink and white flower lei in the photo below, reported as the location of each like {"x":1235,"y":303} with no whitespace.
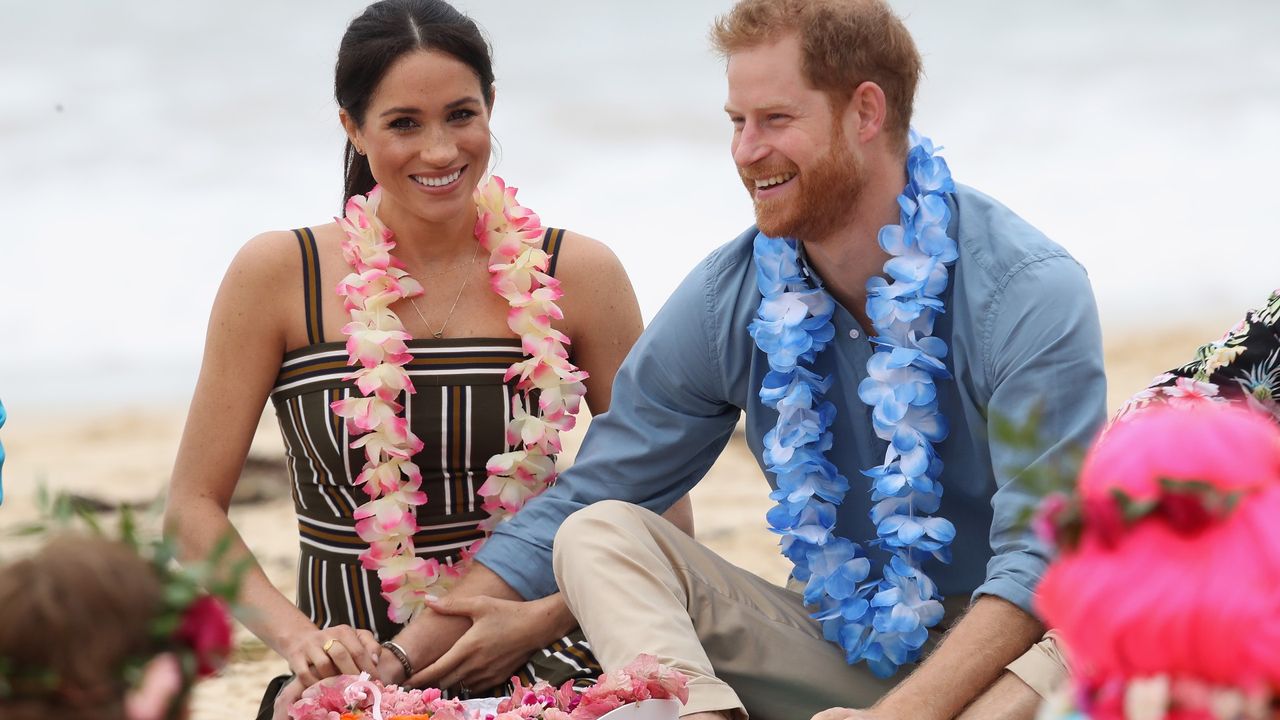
{"x":377,"y":341}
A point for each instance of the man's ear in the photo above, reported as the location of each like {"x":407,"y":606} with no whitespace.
{"x":865,"y":113}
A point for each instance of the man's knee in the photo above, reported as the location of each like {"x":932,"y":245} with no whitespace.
{"x":608,"y":523}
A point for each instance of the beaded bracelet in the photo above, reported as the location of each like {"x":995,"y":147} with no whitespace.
{"x":402,"y":656}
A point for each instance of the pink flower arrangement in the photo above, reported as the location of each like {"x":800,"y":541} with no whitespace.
{"x":1166,"y":599}
{"x":356,"y":697}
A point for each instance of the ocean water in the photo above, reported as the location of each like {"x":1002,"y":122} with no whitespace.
{"x":142,"y":142}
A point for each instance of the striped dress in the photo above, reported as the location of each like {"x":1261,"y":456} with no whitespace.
{"x":460,"y":411}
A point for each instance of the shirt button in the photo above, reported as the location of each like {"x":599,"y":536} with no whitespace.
{"x":854,"y":334}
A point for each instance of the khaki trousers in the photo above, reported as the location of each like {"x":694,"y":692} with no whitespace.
{"x":638,"y":584}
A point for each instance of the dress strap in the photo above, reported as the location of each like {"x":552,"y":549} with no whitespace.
{"x":551,"y":240}
{"x":311,"y":289}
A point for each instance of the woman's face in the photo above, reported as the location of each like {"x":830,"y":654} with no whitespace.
{"x":426,"y":134}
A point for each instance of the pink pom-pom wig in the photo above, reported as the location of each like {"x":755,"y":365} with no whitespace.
{"x":1154,"y":599}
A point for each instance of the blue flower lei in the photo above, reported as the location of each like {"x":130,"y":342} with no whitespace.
{"x":883,"y":621}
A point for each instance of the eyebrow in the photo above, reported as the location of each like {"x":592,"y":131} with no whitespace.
{"x":766,"y":107}
{"x":469,"y":100}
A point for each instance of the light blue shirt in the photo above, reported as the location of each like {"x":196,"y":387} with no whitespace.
{"x":1023,"y":332}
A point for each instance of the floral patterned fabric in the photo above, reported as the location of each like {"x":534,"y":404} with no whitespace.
{"x":1242,"y":366}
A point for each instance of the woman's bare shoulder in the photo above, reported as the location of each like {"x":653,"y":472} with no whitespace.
{"x":582,"y":259}
{"x":276,"y":256}
{"x":598,"y":296}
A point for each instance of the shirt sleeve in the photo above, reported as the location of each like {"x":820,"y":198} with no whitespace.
{"x":1043,"y":357}
{"x":668,"y":421}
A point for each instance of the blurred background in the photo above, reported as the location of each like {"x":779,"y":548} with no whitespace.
{"x":142,"y":142}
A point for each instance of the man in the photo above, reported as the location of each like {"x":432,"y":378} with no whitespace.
{"x":820,"y":97}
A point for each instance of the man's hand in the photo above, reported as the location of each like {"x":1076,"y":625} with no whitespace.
{"x":503,"y":634}
{"x":430,"y":635}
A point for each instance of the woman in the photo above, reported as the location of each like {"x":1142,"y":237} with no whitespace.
{"x":414,"y":85}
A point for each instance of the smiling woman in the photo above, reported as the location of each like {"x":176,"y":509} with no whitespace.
{"x":404,"y":369}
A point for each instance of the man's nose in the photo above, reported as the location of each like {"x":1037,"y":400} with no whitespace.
{"x":748,"y":147}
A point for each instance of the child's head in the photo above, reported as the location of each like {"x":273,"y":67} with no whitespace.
{"x":1177,"y":570}
{"x":78,"y":634}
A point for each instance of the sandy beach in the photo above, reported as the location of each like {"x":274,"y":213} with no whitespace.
{"x":126,"y":457}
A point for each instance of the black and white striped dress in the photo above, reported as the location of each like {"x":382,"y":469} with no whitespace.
{"x":460,"y":411}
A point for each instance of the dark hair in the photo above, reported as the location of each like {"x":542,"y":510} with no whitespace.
{"x":383,"y":33}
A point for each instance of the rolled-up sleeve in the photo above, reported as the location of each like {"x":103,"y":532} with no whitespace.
{"x":1043,"y":357}
{"x":666,"y":424}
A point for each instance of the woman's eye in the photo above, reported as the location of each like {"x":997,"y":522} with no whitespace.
{"x":462,"y":115}
{"x":403,"y":123}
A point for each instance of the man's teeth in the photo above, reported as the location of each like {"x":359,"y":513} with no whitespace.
{"x":437,"y":182}
{"x":775,"y":180}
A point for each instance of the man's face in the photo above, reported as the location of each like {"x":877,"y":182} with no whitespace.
{"x":790,"y":148}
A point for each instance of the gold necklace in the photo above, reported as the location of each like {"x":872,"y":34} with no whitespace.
{"x":448,"y":270}
{"x":437,"y":334}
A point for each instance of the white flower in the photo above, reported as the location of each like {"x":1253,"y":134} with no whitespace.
{"x":1147,"y":698}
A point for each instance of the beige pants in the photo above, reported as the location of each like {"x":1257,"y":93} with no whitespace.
{"x":637,"y":584}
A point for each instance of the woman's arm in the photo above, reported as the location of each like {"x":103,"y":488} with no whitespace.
{"x":243,"y":349}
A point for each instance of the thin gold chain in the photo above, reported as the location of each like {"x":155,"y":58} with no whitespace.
{"x":446,"y":271}
{"x":466,"y":279}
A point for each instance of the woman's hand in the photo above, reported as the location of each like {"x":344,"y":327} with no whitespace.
{"x":503,"y":634}
{"x":289,"y":694}
{"x":338,"y":650}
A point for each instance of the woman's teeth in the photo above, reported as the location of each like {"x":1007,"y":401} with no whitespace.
{"x":437,"y":181}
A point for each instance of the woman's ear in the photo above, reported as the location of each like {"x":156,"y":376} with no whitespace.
{"x":157,"y":691}
{"x":352,"y":129}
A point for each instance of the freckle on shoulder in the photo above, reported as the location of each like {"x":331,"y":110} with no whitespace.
{"x":581,"y":255}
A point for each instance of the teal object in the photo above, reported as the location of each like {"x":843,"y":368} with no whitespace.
{"x":2,"y":419}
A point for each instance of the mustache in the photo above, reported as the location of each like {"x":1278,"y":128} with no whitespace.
{"x":761,"y":171}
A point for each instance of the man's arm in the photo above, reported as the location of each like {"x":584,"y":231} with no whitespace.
{"x":992,"y":634}
{"x":1043,"y":356}
{"x":669,"y":418}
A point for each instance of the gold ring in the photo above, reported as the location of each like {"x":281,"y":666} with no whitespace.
{"x":327,"y":645}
